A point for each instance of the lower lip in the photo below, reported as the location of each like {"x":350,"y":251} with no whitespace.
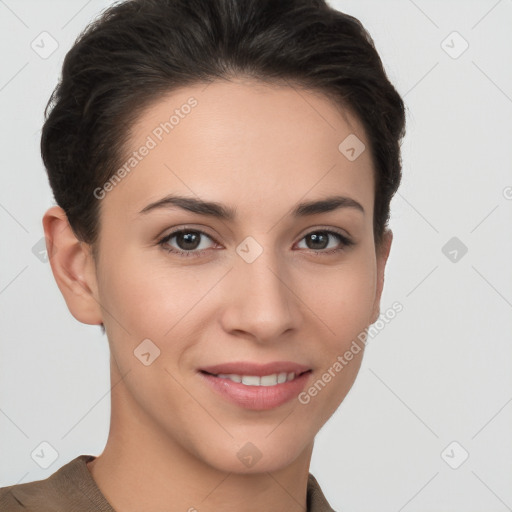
{"x":259,"y":398}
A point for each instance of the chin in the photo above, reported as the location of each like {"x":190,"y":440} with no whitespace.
{"x":246,"y":457}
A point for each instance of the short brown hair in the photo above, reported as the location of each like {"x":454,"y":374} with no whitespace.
{"x":139,"y":50}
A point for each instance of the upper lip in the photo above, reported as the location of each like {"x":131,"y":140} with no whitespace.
{"x":248,"y":368}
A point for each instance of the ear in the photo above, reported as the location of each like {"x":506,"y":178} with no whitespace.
{"x":72,"y":266}
{"x":382,"y":257}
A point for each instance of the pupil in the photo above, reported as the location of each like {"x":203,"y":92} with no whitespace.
{"x":187,"y":238}
{"x":318,"y":237}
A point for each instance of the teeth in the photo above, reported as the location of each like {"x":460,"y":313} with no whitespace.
{"x":254,"y":380}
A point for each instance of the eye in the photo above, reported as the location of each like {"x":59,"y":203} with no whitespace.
{"x":318,"y":240}
{"x":188,"y":241}
{"x":190,"y":244}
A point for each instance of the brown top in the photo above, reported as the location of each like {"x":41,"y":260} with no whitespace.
{"x":72,"y":489}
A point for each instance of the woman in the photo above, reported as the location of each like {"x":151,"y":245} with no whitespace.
{"x":223,"y":172}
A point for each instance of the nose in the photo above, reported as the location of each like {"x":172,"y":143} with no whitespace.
{"x":261,"y":302}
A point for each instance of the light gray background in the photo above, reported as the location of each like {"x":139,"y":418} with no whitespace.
{"x":439,"y":372}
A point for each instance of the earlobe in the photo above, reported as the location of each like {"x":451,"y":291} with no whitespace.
{"x":382,"y":257}
{"x":72,"y":266}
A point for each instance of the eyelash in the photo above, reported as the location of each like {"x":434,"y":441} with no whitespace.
{"x":345,"y":242}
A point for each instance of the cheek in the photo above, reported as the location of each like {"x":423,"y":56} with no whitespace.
{"x":150,"y":298}
{"x":342,"y":298}
{"x":141,"y":297}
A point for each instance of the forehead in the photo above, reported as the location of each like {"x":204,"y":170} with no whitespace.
{"x":242,"y":142}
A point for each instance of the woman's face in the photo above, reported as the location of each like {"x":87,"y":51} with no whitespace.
{"x":266,"y":285}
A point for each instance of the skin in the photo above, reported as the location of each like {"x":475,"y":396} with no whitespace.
{"x":173,"y":442}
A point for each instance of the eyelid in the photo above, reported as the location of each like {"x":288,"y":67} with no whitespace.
{"x":187,"y":229}
{"x":342,"y":232}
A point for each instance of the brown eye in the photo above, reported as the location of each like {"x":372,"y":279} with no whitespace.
{"x":188,"y":242}
{"x":318,"y":241}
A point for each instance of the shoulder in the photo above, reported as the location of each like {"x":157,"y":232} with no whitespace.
{"x":9,"y":502}
{"x":52,"y":494}
{"x":24,"y":497}
{"x":316,"y":501}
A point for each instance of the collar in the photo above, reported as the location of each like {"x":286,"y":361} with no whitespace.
{"x":73,"y":484}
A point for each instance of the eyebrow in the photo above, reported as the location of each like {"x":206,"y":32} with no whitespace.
{"x":220,"y":211}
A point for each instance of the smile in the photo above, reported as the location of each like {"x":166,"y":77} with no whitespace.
{"x":257,"y":392}
{"x":255,"y":380}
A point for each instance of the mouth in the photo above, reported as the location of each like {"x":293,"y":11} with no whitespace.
{"x":257,"y":388}
{"x":271,"y":379}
